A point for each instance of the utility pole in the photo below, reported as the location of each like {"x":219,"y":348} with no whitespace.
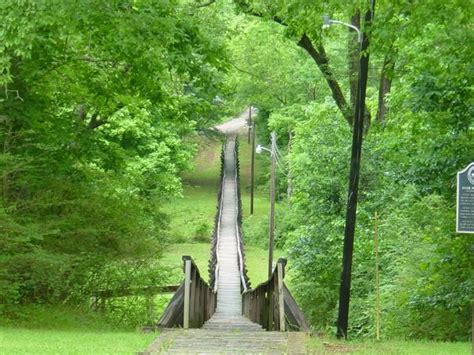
{"x":252,"y":168}
{"x":289,"y":190}
{"x":249,"y":123}
{"x":357,"y":135}
{"x":377,"y":277}
{"x":271,"y":231}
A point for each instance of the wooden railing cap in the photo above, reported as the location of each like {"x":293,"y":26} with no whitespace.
{"x":282,"y":261}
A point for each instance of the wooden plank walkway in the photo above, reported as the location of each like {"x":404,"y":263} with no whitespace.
{"x":228,"y":331}
{"x":229,"y":299}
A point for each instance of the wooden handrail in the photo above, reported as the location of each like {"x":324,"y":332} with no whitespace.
{"x":264,"y":303}
{"x":271,"y":304}
{"x":193,"y":303}
{"x":214,"y":258}
{"x":135,"y":291}
{"x":99,"y":298}
{"x":238,"y":233}
{"x":218,"y":232}
{"x":244,"y":280}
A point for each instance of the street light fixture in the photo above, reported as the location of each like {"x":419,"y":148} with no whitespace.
{"x":261,"y":148}
{"x":327,"y":22}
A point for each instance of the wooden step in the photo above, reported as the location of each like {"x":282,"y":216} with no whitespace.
{"x":209,"y":341}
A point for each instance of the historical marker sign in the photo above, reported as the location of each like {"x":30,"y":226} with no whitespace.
{"x":465,"y":201}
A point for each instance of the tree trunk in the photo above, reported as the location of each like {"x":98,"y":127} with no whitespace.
{"x":384,"y":88}
{"x":6,"y":149}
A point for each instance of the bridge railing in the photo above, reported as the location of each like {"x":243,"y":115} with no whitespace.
{"x":214,"y":257}
{"x":271,"y":304}
{"x":265,"y":303}
{"x":193,"y":303}
{"x":244,"y":279}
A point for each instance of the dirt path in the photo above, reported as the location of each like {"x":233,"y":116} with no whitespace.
{"x":235,"y":125}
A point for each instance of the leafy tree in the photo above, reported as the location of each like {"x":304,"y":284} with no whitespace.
{"x":420,"y":91}
{"x":98,"y":99}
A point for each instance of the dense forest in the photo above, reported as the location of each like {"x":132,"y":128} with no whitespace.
{"x":100,"y":101}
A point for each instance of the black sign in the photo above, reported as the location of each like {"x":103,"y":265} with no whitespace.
{"x":465,"y":201}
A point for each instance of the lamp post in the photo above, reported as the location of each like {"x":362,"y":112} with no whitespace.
{"x":271,"y":231}
{"x":249,"y":123}
{"x":252,"y":164}
{"x":353,"y":191}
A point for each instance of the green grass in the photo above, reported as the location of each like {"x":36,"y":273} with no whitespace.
{"x":192,"y":216}
{"x":56,"y":317}
{"x":207,"y":164}
{"x":255,"y":257}
{"x":198,"y":251}
{"x":53,"y":341}
{"x":255,"y":226}
{"x":325,"y":346}
{"x":41,"y":329}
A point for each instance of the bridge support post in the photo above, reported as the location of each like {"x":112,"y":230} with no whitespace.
{"x":187,"y":293}
{"x":281,"y":299}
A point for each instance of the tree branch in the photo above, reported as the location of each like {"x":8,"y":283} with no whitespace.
{"x":95,"y":121}
{"x":322,"y":61}
{"x":246,"y":72}
{"x":210,"y":2}
{"x":320,"y":58}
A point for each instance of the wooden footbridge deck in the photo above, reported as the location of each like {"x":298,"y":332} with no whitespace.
{"x":226,"y":315}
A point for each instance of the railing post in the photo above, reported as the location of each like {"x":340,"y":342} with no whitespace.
{"x":281,"y":299}
{"x":150,"y":308}
{"x":94,"y":301}
{"x":187,"y":293}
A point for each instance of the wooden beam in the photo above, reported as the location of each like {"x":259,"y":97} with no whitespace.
{"x":135,"y":291}
{"x":187,"y":289}
{"x":281,"y":298}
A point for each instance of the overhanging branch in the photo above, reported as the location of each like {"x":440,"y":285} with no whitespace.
{"x":322,"y":61}
{"x":318,"y":55}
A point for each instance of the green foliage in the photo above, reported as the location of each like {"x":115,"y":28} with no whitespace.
{"x":268,"y":76}
{"x":409,"y":162}
{"x":96,"y":103}
{"x":99,"y":100}
{"x":314,"y":236}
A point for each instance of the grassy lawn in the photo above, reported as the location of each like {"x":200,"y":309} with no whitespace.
{"x":52,"y":341}
{"x":200,"y":253}
{"x":192,"y":216}
{"x":261,"y":197}
{"x":324,"y":346}
{"x":40,"y":329}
